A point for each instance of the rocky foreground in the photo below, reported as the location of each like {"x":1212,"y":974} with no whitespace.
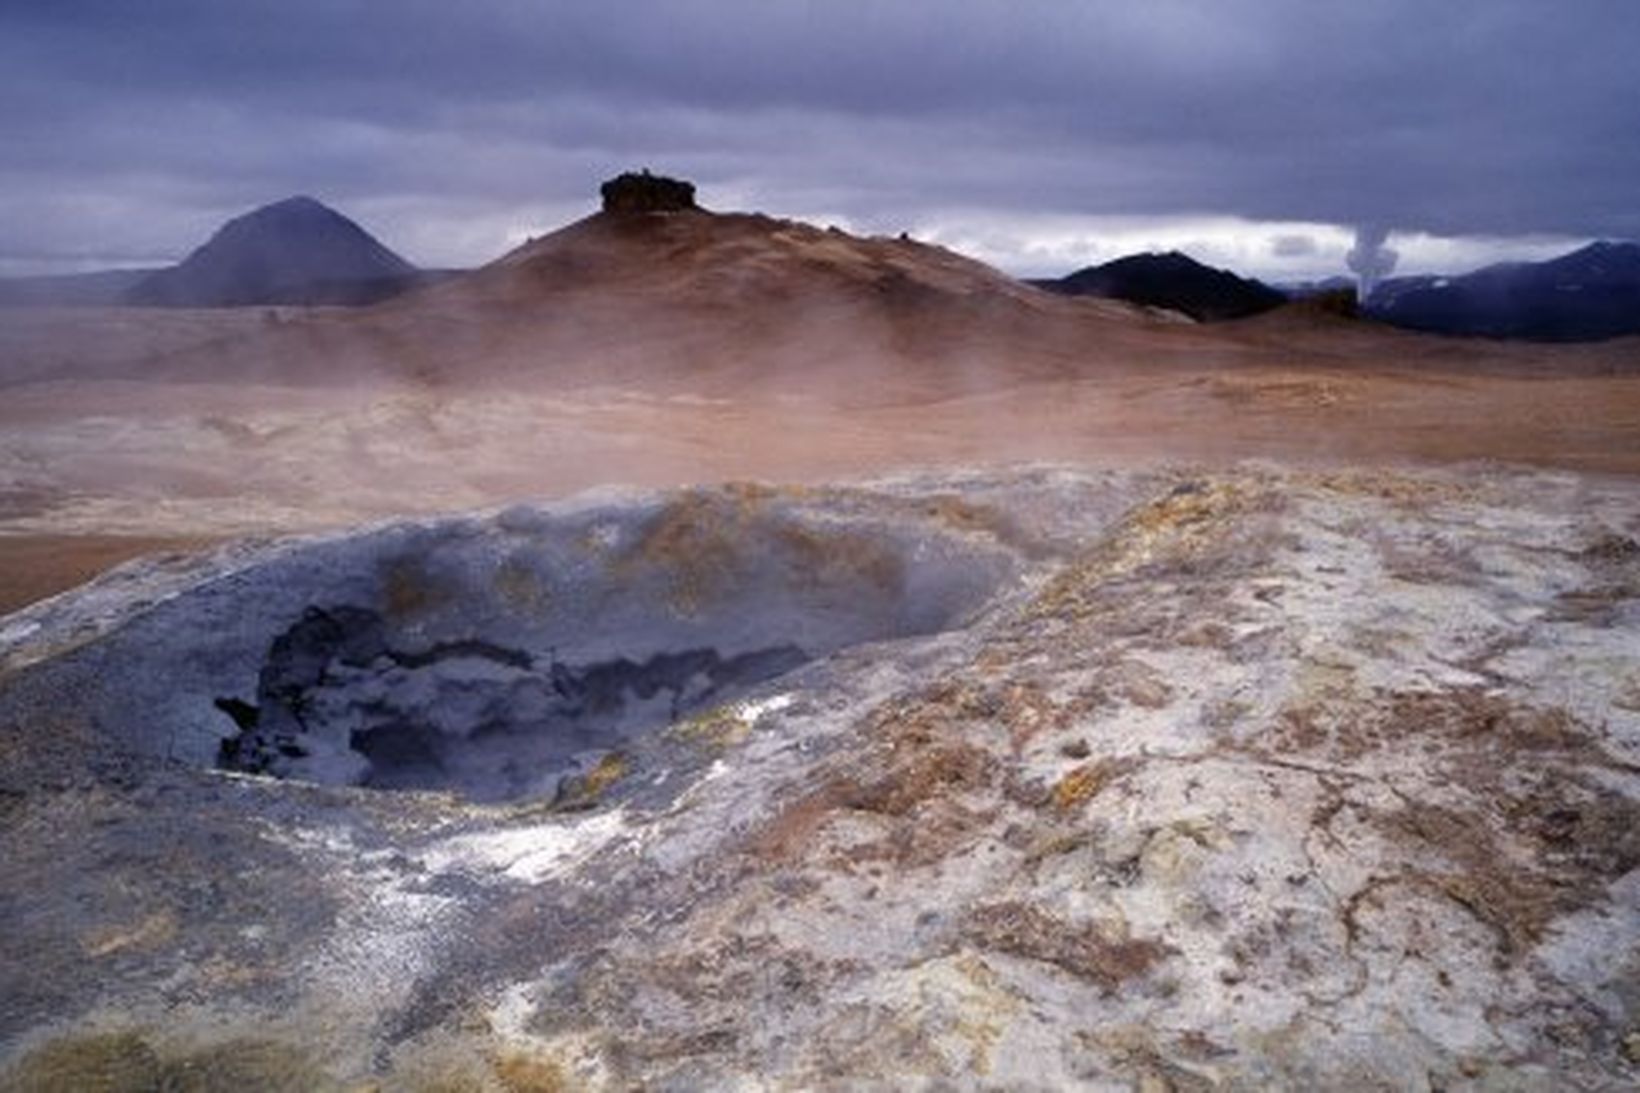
{"x":1246,"y":779}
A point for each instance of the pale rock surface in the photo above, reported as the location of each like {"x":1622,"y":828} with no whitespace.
{"x":1250,"y":779}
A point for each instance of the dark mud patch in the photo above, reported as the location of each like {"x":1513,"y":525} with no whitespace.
{"x":338,"y":703}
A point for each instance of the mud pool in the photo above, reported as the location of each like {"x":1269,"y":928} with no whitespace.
{"x":501,"y":656}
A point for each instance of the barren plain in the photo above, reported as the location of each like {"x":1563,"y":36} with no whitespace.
{"x":704,"y":349}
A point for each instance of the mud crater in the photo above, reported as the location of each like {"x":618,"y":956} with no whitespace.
{"x":500,"y":657}
{"x":336,"y":702}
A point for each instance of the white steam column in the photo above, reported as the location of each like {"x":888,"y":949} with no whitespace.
{"x":1370,"y":260}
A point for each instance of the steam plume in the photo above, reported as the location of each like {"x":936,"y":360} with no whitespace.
{"x":1370,"y":260}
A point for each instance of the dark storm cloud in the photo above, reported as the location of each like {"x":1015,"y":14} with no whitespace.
{"x":130,"y":129}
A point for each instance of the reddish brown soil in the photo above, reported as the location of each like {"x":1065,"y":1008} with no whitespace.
{"x":701,"y":348}
{"x":33,"y":567}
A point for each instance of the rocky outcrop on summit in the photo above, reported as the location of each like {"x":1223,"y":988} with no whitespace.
{"x":296,"y":251}
{"x":647,"y":193}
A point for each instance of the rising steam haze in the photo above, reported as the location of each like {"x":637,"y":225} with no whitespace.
{"x":1370,"y":259}
{"x":1041,"y":136}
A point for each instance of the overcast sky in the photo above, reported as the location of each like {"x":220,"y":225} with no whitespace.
{"x":1040,"y":135}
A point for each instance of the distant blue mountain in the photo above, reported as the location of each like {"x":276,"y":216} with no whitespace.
{"x":1587,"y":295}
{"x":296,"y":251}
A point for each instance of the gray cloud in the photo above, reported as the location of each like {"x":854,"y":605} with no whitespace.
{"x":1293,"y":246}
{"x":132,"y":129}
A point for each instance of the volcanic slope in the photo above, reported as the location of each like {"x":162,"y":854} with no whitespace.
{"x":720,"y":305}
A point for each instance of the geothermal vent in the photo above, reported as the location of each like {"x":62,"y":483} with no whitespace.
{"x":499,"y":657}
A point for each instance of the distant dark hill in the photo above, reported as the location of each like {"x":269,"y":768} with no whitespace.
{"x":1587,"y":295}
{"x":1174,"y":281}
{"x":296,"y":251}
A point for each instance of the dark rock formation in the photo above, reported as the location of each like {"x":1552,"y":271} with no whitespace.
{"x":296,"y":251}
{"x":647,"y":193}
{"x":1174,"y":281}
